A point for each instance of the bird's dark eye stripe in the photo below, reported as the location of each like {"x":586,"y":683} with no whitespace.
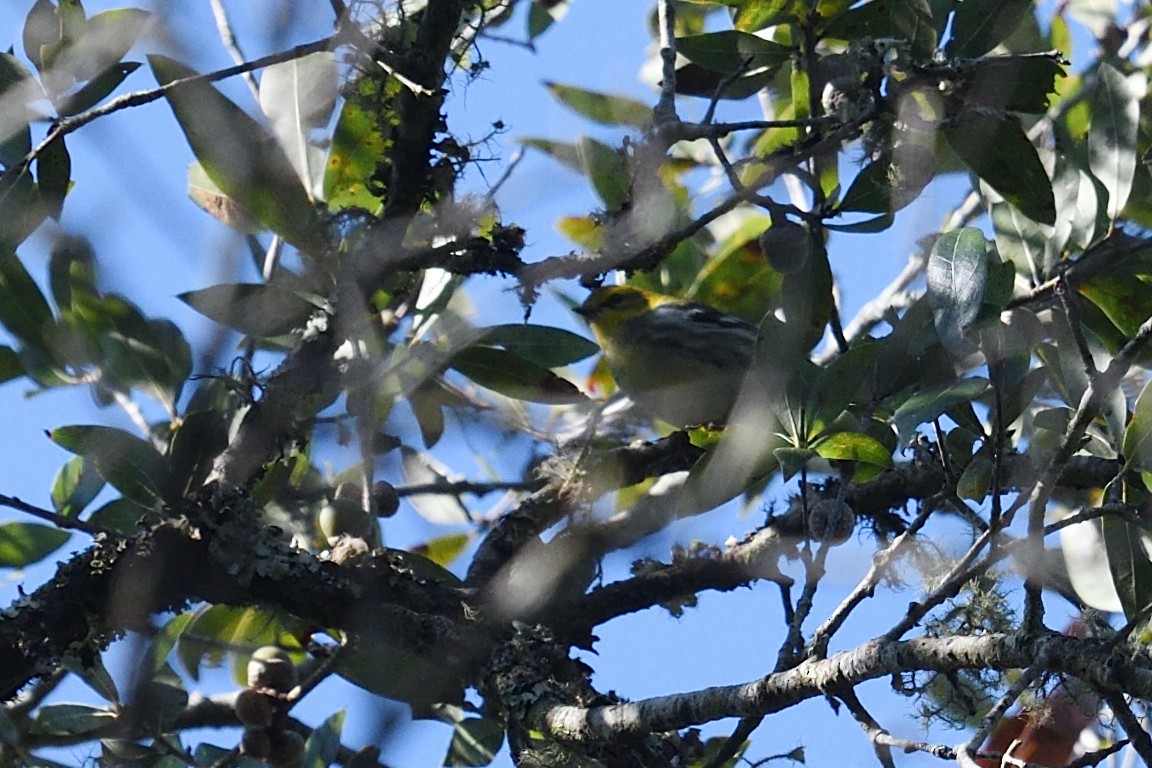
{"x":613,"y":300}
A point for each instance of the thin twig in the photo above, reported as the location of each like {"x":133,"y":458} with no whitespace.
{"x":60,"y":521}
{"x":1137,"y":736}
{"x":665,"y":111}
{"x":138,"y":98}
{"x":872,"y":728}
{"x":228,"y":38}
{"x":998,"y":710}
{"x":881,"y":562}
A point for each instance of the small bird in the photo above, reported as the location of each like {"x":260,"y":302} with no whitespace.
{"x":677,"y":360}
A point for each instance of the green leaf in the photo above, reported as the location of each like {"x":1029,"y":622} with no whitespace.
{"x":976,"y":479}
{"x":540,"y":344}
{"x":10,"y":365}
{"x":127,"y":463}
{"x":254,"y":309}
{"x":854,"y":446}
{"x":931,"y":402}
{"x":23,"y":309}
{"x":1015,"y":83}
{"x":241,"y":157}
{"x":733,"y":51}
{"x":543,"y":15}
{"x":607,"y":171}
{"x":696,"y":80}
{"x":357,"y":145}
{"x":123,"y":516}
{"x":909,"y":20}
{"x":200,"y":438}
{"x":217,"y":204}
{"x":568,"y":154}
{"x":444,"y":549}
{"x":792,"y":460}
{"x":1129,"y":564}
{"x":103,"y":41}
{"x":1125,"y":300}
{"x":324,"y":742}
{"x":475,"y":742}
{"x":513,"y":376}
{"x":1020,"y":239}
{"x":298,"y":97}
{"x":978,"y":26}
{"x":957,"y":273}
{"x":1137,"y":446}
{"x":892,"y":181}
{"x":22,"y":544}
{"x":437,"y":508}
{"x":388,"y":668}
{"x":41,"y":30}
{"x":604,"y":109}
{"x":96,"y":89}
{"x":75,"y":486}
{"x":70,"y":720}
{"x":753,"y":16}
{"x":17,"y":89}
{"x":996,"y":149}
{"x":54,"y":176}
{"x":1112,"y":137}
{"x":837,"y":383}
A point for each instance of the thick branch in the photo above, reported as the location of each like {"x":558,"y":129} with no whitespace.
{"x":1090,"y":660}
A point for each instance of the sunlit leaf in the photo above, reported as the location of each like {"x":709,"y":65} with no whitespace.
{"x":241,"y":157}
{"x":1112,"y":137}
{"x":127,"y":463}
{"x":606,"y":170}
{"x":75,"y":486}
{"x":444,"y":549}
{"x":357,"y":145}
{"x":298,"y":97}
{"x":854,"y":446}
{"x":601,"y":107}
{"x":22,"y":544}
{"x":566,"y":153}
{"x":1137,"y":447}
{"x":957,"y":273}
{"x":217,"y":204}
{"x":435,"y":507}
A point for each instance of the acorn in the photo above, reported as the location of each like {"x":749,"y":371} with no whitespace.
{"x":256,"y":743}
{"x":254,"y":708}
{"x":271,"y":668}
{"x":287,"y":750}
{"x":786,"y":245}
{"x":343,"y":517}
{"x":831,"y":521}
{"x":386,"y":498}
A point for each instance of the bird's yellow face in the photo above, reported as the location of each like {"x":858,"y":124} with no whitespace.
{"x":610,"y":305}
